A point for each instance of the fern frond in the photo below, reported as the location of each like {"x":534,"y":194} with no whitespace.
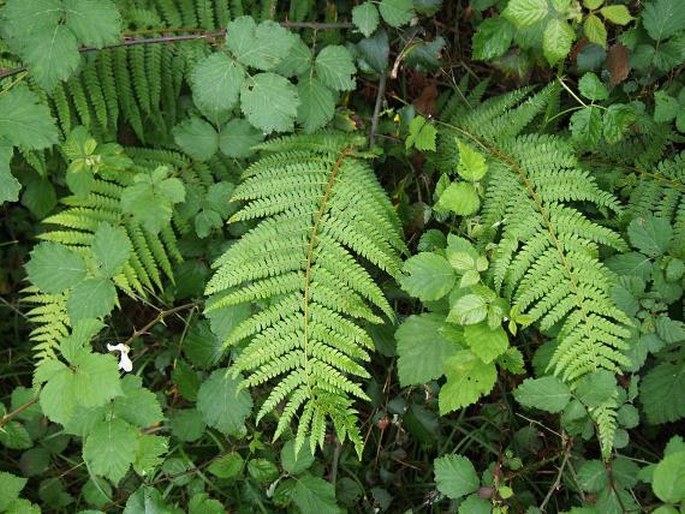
{"x":661,"y":192}
{"x":301,"y":258}
{"x":50,"y":314}
{"x":546,"y":250}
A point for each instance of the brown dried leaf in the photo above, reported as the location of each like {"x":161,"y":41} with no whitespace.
{"x":618,"y":63}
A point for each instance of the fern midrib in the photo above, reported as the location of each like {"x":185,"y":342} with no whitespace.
{"x":310,"y":257}
{"x":541,"y":209}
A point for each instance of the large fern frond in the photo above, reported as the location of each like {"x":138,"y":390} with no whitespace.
{"x":323,"y":214}
{"x":545,"y":258}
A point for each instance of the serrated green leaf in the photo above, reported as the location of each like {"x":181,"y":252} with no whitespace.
{"x":593,"y":476}
{"x":460,"y":198}
{"x":616,"y":121}
{"x":669,"y":478}
{"x":297,"y":62}
{"x":111,"y":448}
{"x":365,"y":18}
{"x":317,"y":105}
{"x":54,"y":267}
{"x":151,"y":197}
{"x":651,"y":235}
{"x":468,"y":378}
{"x":665,"y":107}
{"x":95,"y":379}
{"x":237,"y":138}
{"x":586,"y":126}
{"x":51,"y":57}
{"x":472,"y":165}
{"x":547,"y":393}
{"x":484,"y":342}
{"x":111,"y":248}
{"x":428,"y":276}
{"x":314,"y":495}
{"x":557,"y":40}
{"x":595,"y":31}
{"x":147,"y":500}
{"x":658,"y":389}
{"x":227,"y":466}
{"x":335,"y":68}
{"x":663,"y":18}
{"x":57,"y":398}
{"x":94,"y":22}
{"x":525,"y":13}
{"x":596,"y":388}
{"x":197,"y":138}
{"x":215,"y":82}
{"x":468,"y":310}
{"x":261,"y":46}
{"x":138,"y":405}
{"x":618,"y":14}
{"x":592,"y":88}
{"x":455,"y":476}
{"x":592,"y":4}
{"x":295,"y":463}
{"x":493,"y":38}
{"x":421,"y":135}
{"x":396,"y":12}
{"x":222,"y":404}
{"x":149,"y":456}
{"x":9,"y":185}
{"x":270,"y":102}
{"x":203,"y":504}
{"x":422,"y":349}
{"x":187,"y":425}
{"x":14,"y":436}
{"x":24,"y":121}
{"x":474,"y":504}
{"x":10,"y":487}
{"x":92,"y":298}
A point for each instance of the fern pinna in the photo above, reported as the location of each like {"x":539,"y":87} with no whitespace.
{"x":319,"y":204}
{"x":545,"y":256}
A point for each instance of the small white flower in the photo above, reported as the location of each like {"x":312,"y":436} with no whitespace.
{"x":125,"y":362}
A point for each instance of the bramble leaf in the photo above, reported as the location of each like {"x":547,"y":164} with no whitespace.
{"x":260,"y":46}
{"x":525,"y":13}
{"x":237,"y":138}
{"x":396,"y":12}
{"x":468,"y":378}
{"x":222,"y":404}
{"x":151,"y":197}
{"x":111,"y":448}
{"x":365,"y":17}
{"x":317,"y":104}
{"x":54,"y":267}
{"x":215,"y":82}
{"x":455,"y":476}
{"x":197,"y":138}
{"x":335,"y":68}
{"x":24,"y":121}
{"x":547,"y":393}
{"x":428,"y":276}
{"x":422,"y":349}
{"x":94,"y":22}
{"x":269,"y":102}
{"x":111,"y":248}
{"x":92,"y":298}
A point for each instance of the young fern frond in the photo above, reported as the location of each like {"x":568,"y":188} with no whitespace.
{"x":50,"y":314}
{"x":545,"y":257}
{"x":321,"y":209}
{"x":661,"y":191}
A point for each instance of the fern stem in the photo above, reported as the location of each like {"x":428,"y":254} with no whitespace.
{"x":310,"y":258}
